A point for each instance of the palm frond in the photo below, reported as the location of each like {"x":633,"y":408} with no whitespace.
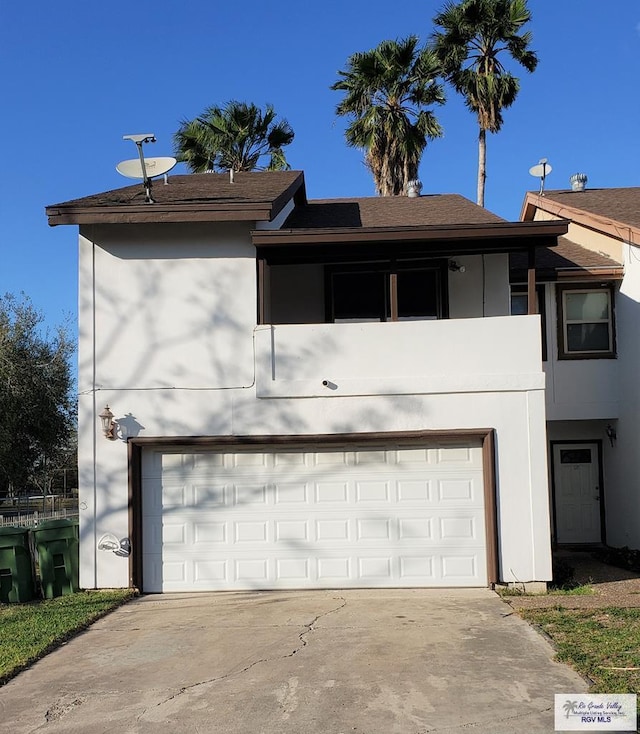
{"x":387,"y":91}
{"x":235,"y":137}
{"x":471,"y":40}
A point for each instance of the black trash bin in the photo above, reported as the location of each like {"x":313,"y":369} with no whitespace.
{"x":57,"y":545}
{"x":16,"y":566}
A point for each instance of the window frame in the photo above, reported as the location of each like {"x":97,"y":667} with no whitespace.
{"x":390,"y":269}
{"x":563,"y":351}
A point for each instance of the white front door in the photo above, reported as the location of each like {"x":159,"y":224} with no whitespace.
{"x":577,"y":492}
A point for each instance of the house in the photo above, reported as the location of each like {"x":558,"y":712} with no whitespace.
{"x":589,"y":291}
{"x":307,"y":394}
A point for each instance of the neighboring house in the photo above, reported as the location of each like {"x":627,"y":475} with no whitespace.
{"x":308,"y":394}
{"x":589,"y":290}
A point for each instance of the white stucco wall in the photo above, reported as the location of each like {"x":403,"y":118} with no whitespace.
{"x":577,"y":389}
{"x":169,"y":314}
{"x":483,"y":288}
{"x":607,"y":391}
{"x":623,"y":471}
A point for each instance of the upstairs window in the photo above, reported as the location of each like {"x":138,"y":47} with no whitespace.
{"x":585,"y":322}
{"x":379,"y":292}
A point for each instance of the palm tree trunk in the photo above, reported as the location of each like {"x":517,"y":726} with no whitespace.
{"x":482,"y":164}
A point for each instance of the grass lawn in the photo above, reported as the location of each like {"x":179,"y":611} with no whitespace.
{"x":30,"y":631}
{"x":603,"y":644}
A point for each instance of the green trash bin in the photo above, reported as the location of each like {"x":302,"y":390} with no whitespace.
{"x":57,"y":545}
{"x":16,"y":566}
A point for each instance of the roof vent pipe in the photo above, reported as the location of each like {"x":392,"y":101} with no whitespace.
{"x":578,"y":181}
{"x":414,"y":188}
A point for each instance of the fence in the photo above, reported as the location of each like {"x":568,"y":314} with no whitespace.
{"x":31,"y":519}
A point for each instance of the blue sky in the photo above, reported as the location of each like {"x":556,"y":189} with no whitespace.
{"x":76,"y":76}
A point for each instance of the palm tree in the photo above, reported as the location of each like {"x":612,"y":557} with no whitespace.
{"x":233,"y":137}
{"x":473,"y":35}
{"x":386,"y":92}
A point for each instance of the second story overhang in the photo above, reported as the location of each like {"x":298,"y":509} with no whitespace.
{"x":424,"y":241}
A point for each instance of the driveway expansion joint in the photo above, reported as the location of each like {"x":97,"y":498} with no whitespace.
{"x":308,"y":629}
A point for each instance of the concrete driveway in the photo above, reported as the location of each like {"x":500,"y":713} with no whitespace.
{"x":323,"y":662}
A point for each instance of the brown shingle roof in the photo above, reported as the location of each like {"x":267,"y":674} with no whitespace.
{"x":622,"y":205}
{"x":612,"y":212}
{"x":197,"y":196}
{"x":391,"y":211}
{"x":567,"y":257}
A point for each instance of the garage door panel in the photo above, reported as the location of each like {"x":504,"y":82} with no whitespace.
{"x":458,"y":490}
{"x":411,"y":529}
{"x":352,"y":518}
{"x":458,"y":567}
{"x":459,"y":528}
{"x":288,"y":530}
{"x":325,"y":528}
{"x":329,"y":530}
{"x":414,"y":491}
{"x":208,"y":495}
{"x":372,"y":491}
{"x":293,"y":569}
{"x":324,"y":570}
{"x":206,"y":572}
{"x":329,"y":492}
{"x":249,"y":494}
{"x":418,"y":570}
{"x":458,"y":455}
{"x":295,"y":493}
{"x":212,"y":532}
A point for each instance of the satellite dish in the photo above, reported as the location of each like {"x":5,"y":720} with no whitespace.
{"x":541,"y":171}
{"x":132,"y":168}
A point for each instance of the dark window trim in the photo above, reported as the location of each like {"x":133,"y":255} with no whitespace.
{"x":603,"y":520}
{"x":522,"y":289}
{"x":391,"y":268}
{"x":564,"y":288}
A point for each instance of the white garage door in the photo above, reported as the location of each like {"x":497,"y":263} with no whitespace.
{"x":284,"y":518}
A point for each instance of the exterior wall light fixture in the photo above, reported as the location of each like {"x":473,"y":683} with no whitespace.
{"x":456,"y":267}
{"x":611,"y":434}
{"x":109,"y":425}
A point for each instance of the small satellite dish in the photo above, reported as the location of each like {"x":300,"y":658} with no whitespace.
{"x":138,"y":169}
{"x":132,"y":168}
{"x":541,"y":171}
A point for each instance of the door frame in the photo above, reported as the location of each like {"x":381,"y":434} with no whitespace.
{"x":603,"y":526}
{"x":486,"y":436}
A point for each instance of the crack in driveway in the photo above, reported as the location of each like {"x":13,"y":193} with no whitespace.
{"x":309,"y":628}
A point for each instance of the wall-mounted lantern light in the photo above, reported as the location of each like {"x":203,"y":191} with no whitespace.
{"x":611,"y":433}
{"x":109,"y":426}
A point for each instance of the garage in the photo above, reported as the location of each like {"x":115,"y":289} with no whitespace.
{"x":303,"y":516}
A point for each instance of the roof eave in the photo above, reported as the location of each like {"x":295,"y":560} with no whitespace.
{"x":606,"y":225}
{"x":154,"y":213}
{"x":523,"y":234}
{"x":203,"y":211}
{"x":578,"y":273}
